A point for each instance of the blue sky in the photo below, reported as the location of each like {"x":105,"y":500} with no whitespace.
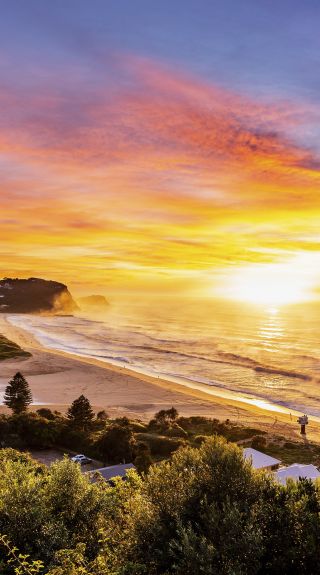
{"x":266,"y":47}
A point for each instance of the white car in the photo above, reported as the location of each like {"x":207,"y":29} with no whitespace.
{"x":82,"y":459}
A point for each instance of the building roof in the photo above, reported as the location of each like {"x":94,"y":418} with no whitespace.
{"x":259,"y":460}
{"x":113,"y":471}
{"x":296,"y":471}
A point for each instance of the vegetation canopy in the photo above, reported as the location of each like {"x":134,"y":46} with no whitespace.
{"x":204,"y":512}
{"x":194,"y":505}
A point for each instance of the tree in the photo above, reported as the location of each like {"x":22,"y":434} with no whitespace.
{"x":18,"y":395}
{"x":166,"y":416}
{"x":33,"y":430}
{"x":100,"y":421}
{"x":46,"y":510}
{"x":204,"y":512}
{"x":172,"y":414}
{"x":164,"y":419}
{"x":80,"y":413}
{"x":143,"y":458}
{"x":116,"y":444}
{"x":198,"y":514}
{"x":102,"y":415}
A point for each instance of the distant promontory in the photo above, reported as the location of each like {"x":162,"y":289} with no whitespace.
{"x":35,"y":295}
{"x":93,"y":303}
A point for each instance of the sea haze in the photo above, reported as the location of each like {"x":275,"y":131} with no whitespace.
{"x":268,"y":354}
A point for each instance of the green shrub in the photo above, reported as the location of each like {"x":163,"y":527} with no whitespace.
{"x":204,"y":512}
{"x":76,"y":440}
{"x":30,"y":430}
{"x":199,"y":439}
{"x":9,"y":454}
{"x":160,"y":445}
{"x":116,"y":444}
{"x":138,"y":426}
{"x":176,"y":431}
{"x":44,"y":512}
{"x":46,"y":413}
{"x":258,"y":442}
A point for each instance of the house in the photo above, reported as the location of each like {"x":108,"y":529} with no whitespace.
{"x":109,"y":473}
{"x":295,"y":472}
{"x":260,"y":460}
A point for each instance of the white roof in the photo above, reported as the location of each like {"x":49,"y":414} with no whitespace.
{"x":259,"y":460}
{"x":295,"y":471}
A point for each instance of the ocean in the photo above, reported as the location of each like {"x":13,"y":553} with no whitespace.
{"x":257,"y":354}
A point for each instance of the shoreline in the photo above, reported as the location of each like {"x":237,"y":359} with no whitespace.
{"x":57,"y":377}
{"x":208,"y":389}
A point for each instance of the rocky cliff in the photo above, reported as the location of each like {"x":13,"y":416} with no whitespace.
{"x":35,"y":295}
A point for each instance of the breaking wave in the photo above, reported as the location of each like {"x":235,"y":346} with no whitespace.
{"x":270,"y":358}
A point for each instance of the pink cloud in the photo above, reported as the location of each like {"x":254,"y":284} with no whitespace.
{"x":161,"y":133}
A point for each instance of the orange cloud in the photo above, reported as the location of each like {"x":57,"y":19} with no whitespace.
{"x":164,"y":175}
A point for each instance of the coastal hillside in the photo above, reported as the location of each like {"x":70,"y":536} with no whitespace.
{"x":35,"y":295}
{"x":9,"y":349}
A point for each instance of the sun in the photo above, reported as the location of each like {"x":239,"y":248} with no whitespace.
{"x":272,"y":284}
{"x":268,"y":287}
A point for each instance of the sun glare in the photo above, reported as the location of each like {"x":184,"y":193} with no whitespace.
{"x":273,"y":284}
{"x":264,"y":287}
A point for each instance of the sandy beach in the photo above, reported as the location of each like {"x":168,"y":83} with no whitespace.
{"x":57,"y":378}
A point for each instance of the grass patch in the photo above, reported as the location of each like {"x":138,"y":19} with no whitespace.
{"x":9,"y":349}
{"x":198,"y":425}
{"x":294,"y":452}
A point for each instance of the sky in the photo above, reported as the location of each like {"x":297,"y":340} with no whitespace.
{"x":163,"y":147}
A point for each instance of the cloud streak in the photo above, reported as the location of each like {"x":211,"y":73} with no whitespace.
{"x":145,"y":154}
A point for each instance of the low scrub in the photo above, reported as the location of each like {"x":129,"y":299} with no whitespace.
{"x":9,"y":349}
{"x":161,"y":445}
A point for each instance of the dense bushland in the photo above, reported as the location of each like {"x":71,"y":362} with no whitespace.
{"x":203,"y":512}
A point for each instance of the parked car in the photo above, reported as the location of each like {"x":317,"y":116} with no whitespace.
{"x":82,"y":459}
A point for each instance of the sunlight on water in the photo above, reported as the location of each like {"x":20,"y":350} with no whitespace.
{"x":265,"y":355}
{"x":271,"y":331}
